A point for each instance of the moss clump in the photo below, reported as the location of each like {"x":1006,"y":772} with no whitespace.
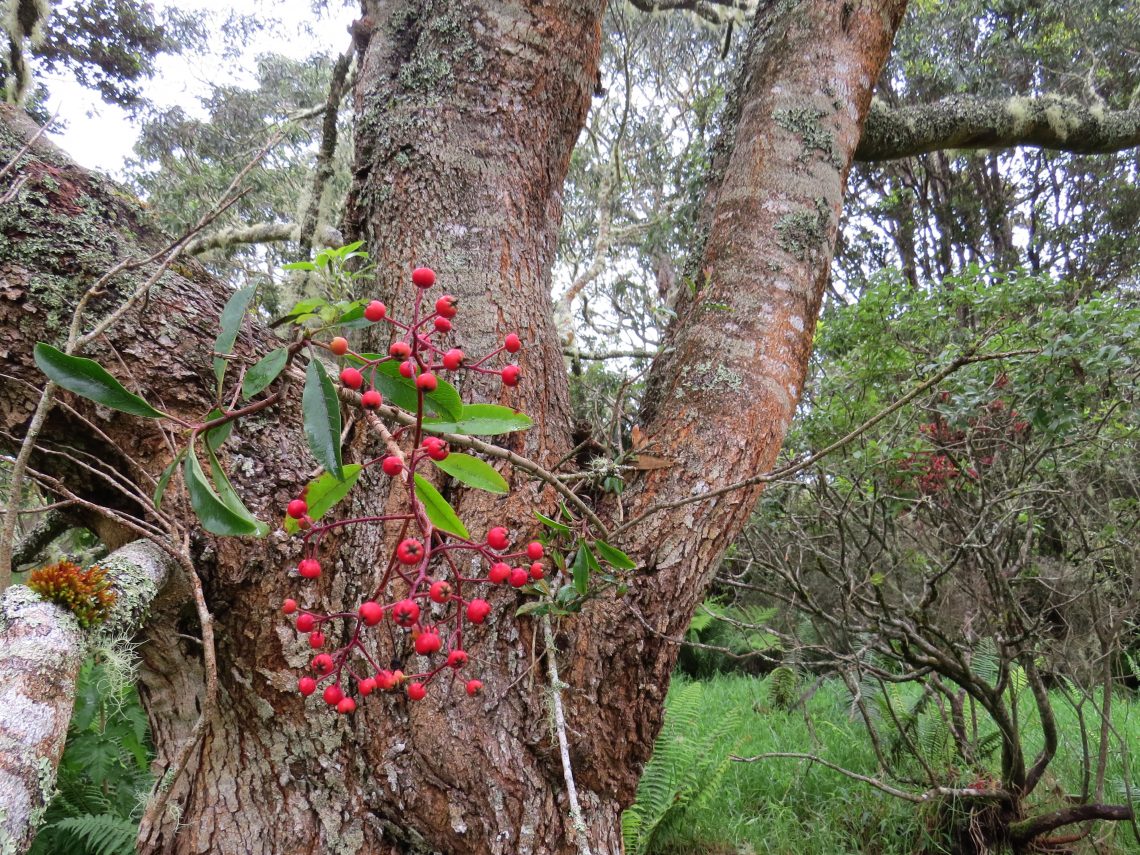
{"x":85,"y":593}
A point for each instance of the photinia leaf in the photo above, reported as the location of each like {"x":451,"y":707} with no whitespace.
{"x":401,"y":391}
{"x":230,"y":498}
{"x":441,"y":514}
{"x":352,"y":318}
{"x":89,"y":379}
{"x":302,"y":311}
{"x":581,"y":567}
{"x":321,"y":408}
{"x":614,"y":556}
{"x":232,"y":315}
{"x":481,"y":420}
{"x":473,"y":472}
{"x":552,"y":524}
{"x":325,"y":491}
{"x":299,"y":265}
{"x":164,"y":479}
{"x":216,"y":517}
{"x":264,"y":372}
{"x":216,"y":436}
{"x":534,"y":607}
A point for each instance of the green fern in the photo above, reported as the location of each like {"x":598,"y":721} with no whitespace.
{"x":103,"y":834}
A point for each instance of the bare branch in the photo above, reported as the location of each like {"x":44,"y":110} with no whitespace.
{"x":259,"y":233}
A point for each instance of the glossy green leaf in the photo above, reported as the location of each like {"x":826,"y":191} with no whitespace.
{"x":164,"y":479}
{"x":230,"y":498}
{"x":321,"y":408}
{"x":87,"y":378}
{"x":580,"y":569}
{"x":481,"y":420}
{"x":614,"y":556}
{"x":300,"y":312}
{"x":216,"y":517}
{"x":264,"y":372}
{"x":231,"y":319}
{"x":216,"y":436}
{"x":441,"y":514}
{"x":473,"y":472}
{"x":552,"y":524}
{"x":325,"y":491}
{"x":533,"y":607}
{"x":401,"y":391}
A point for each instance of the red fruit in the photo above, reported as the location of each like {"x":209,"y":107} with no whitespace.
{"x":366,"y":686}
{"x":375,"y":311}
{"x":453,"y":359}
{"x":309,"y":568}
{"x":427,"y":382}
{"x":416,"y":691}
{"x":371,"y":613}
{"x":447,"y":306}
{"x":289,"y":606}
{"x":500,"y":572}
{"x":428,"y":642}
{"x":408,"y":369}
{"x":305,"y":523}
{"x":477,"y":611}
{"x":440,"y":592}
{"x":406,"y":612}
{"x":498,"y":538}
{"x":385,"y":679}
{"x":306,"y":686}
{"x":339,"y":345}
{"x":297,"y":508}
{"x":474,"y":687}
{"x":410,"y":551}
{"x":512,"y":343}
{"x":346,"y":706}
{"x":424,"y":277}
{"x":400,"y":350}
{"x":519,"y":577}
{"x":305,"y":622}
{"x":536,"y":571}
{"x":436,"y":450}
{"x":534,"y":550}
{"x":371,"y":399}
{"x":322,"y":663}
{"x":351,"y":378}
{"x":442,"y":324}
{"x":316,"y":639}
{"x":333,"y":695}
{"x":456,"y":659}
{"x":511,"y":375}
{"x":392,"y":466}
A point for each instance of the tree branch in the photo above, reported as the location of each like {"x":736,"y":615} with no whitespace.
{"x":259,"y":233}
{"x":966,"y":122}
{"x":1025,"y":831}
{"x":53,"y":524}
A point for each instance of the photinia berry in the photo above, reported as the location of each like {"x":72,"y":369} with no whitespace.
{"x":386,"y":679}
{"x":332,"y":695}
{"x":499,"y":573}
{"x":536,"y":571}
{"x":406,"y":612}
{"x":474,"y":687}
{"x":289,"y":606}
{"x":351,"y":378}
{"x":456,"y":659}
{"x":519,"y":577}
{"x":366,"y":686}
{"x":371,"y":613}
{"x":392,"y":466}
{"x":400,"y":350}
{"x":408,"y":369}
{"x":534,"y":550}
{"x":375,"y":311}
{"x":322,"y":663}
{"x":346,"y":706}
{"x":442,"y":325}
{"x":511,"y":375}
{"x":410,"y":551}
{"x":309,"y":568}
{"x":512,"y":343}
{"x":339,"y":345}
{"x":416,"y":691}
{"x":316,"y":639}
{"x":297,"y":508}
{"x":428,"y":642}
{"x":306,"y":686}
{"x":447,"y":306}
{"x":453,"y":359}
{"x":477,"y":611}
{"x":498,"y":538}
{"x":305,"y":622}
{"x":436,"y":448}
{"x":371,"y":399}
{"x":440,"y":592}
{"x":427,"y":382}
{"x":305,"y":523}
{"x":423,"y":277}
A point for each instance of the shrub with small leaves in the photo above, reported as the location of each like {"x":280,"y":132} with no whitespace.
{"x":85,"y":593}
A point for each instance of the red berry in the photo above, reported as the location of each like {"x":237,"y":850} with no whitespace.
{"x":498,"y":538}
{"x":400,"y":350}
{"x":427,"y":382}
{"x":385,"y":679}
{"x":447,"y":306}
{"x":346,"y":706}
{"x":519,"y":577}
{"x":316,"y":639}
{"x":424,"y":277}
{"x":416,"y":691}
{"x":297,"y":508}
{"x":371,"y":613}
{"x":306,"y":686}
{"x":408,"y":369}
{"x":512,"y":343}
{"x":474,"y":687}
{"x":305,"y":622}
{"x":305,"y":523}
{"x":375,"y":311}
{"x":440,"y":591}
{"x":366,"y":686}
{"x":392,"y":466}
{"x":339,"y":345}
{"x":289,"y":606}
{"x":410,"y":551}
{"x":333,"y":695}
{"x":442,"y":324}
{"x":428,"y":642}
{"x":351,"y":378}
{"x":322,"y":663}
{"x":406,"y":612}
{"x":534,"y":550}
{"x":511,"y":375}
{"x":309,"y":568}
{"x":453,"y":359}
{"x":371,"y":399}
{"x":536,"y":571}
{"x":477,"y":611}
{"x":500,"y":572}
{"x":436,"y":450}
{"x":456,"y":659}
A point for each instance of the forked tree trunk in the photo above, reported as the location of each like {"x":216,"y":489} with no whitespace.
{"x":467,"y":113}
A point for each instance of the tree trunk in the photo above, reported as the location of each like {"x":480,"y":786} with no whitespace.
{"x":467,"y":113}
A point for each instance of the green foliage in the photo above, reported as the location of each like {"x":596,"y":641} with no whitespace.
{"x":441,"y":514}
{"x":323,"y":492}
{"x":481,"y":420}
{"x":89,"y":379}
{"x":321,"y":408}
{"x":740,"y":631}
{"x":473,"y":472}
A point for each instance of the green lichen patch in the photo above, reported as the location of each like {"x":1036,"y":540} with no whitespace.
{"x":802,"y":232}
{"x":804,"y":121}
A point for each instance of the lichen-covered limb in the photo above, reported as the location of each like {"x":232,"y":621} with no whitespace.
{"x":51,"y":525}
{"x":259,"y":233}
{"x":41,"y":649}
{"x":966,"y":122}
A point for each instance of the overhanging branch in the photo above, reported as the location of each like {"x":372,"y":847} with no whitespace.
{"x":258,"y":233}
{"x":966,"y":122}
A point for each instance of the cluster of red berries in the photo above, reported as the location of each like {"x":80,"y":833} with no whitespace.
{"x":435,"y":600}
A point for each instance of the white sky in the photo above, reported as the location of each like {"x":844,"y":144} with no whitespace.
{"x":100,"y":135}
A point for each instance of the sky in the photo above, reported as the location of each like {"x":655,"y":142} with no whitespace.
{"x":100,"y":135}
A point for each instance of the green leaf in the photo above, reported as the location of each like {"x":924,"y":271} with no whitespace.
{"x":299,"y":265}
{"x":264,"y":372}
{"x":87,"y":378}
{"x":401,"y":391}
{"x":614,"y":556}
{"x":321,"y":408}
{"x":552,"y":524}
{"x":216,"y":517}
{"x":164,"y":479}
{"x":232,"y":315}
{"x":230,"y":498}
{"x":216,"y":436}
{"x":481,"y":420}
{"x":353,"y":318}
{"x":581,"y":567}
{"x":441,"y":514}
{"x":325,"y":491}
{"x":534,"y":607}
{"x":473,"y":472}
